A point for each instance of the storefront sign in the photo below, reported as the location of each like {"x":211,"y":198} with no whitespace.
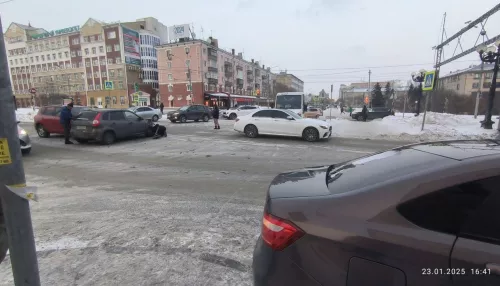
{"x":56,"y":32}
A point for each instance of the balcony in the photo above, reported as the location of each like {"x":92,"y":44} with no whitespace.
{"x":228,"y":73}
{"x":228,"y":83}
{"x":257,"y":86}
{"x":239,"y":82}
{"x":213,"y":81}
{"x":238,"y":67}
{"x":257,"y":73}
{"x":211,"y":75}
{"x":213,"y":69}
{"x":250,"y":77}
{"x":212,"y":53}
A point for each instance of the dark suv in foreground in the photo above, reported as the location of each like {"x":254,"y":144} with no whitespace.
{"x":106,"y":126}
{"x":419,"y":215}
{"x":194,"y":112}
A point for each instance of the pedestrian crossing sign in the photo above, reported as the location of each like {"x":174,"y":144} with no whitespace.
{"x":108,"y":85}
{"x":429,"y":79}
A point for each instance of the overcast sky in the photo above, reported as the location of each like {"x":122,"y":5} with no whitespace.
{"x":322,"y":42}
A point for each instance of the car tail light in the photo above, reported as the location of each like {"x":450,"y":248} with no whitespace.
{"x":278,"y":233}
{"x":97,"y":120}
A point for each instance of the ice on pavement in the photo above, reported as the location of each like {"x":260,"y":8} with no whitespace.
{"x":438,"y":126}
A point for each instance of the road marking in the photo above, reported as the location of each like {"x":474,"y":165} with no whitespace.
{"x":355,"y":151}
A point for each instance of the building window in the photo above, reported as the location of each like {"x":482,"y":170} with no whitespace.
{"x":120,"y":72}
{"x":189,"y":87}
{"x":120,"y":84}
{"x":87,"y":64}
{"x":109,"y":48}
{"x":75,"y":41}
{"x":99,"y":37}
{"x":104,"y":74}
{"x":80,"y":64}
{"x":31,"y":60}
{"x":101,"y":49}
{"x":97,"y":87}
{"x":458,"y":86}
{"x":73,"y":54}
{"x":94,"y":50}
{"x":122,"y":100}
{"x":66,"y":54}
{"x":117,"y":47}
{"x":188,"y":62}
{"x":118,"y":60}
{"x":96,"y":75}
{"x":60,"y":55}
{"x":43,"y":59}
{"x":103,"y":62}
{"x":74,"y":65}
{"x":111,"y":73}
{"x":54,"y":57}
{"x":170,"y":76}
{"x":186,"y":49}
{"x":86,"y":51}
{"x":37,"y":58}
{"x":89,"y":75}
{"x":475,"y":85}
{"x":79,"y":53}
{"x":111,"y":35}
{"x":114,"y":99}
{"x":95,"y":63}
{"x":91,"y":87}
{"x":170,"y":87}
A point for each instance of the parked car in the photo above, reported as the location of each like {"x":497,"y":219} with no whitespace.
{"x":24,"y":140}
{"x":47,"y":119}
{"x":282,"y":123}
{"x":194,"y":112}
{"x":147,"y":112}
{"x":108,"y":125}
{"x":422,"y":214}
{"x":232,"y":114}
{"x":313,"y":112}
{"x":373,"y":113}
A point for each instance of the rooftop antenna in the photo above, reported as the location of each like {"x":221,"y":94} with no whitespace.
{"x":202,"y":35}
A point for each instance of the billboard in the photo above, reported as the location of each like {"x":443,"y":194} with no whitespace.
{"x":131,"y":47}
{"x":178,"y":31}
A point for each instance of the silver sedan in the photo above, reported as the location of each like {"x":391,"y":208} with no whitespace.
{"x":24,"y":140}
{"x":147,"y":112}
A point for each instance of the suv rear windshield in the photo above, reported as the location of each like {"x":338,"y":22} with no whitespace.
{"x":87,"y":115}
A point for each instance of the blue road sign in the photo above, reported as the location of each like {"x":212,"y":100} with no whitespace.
{"x":108,"y":85}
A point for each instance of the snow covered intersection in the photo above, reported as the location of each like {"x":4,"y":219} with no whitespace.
{"x":182,"y":210}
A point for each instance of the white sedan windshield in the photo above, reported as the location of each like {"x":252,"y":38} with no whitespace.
{"x":292,"y":114}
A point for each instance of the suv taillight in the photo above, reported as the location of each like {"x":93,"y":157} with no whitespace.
{"x":277,"y":233}
{"x":97,"y":120}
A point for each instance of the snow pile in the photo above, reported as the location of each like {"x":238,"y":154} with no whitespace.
{"x":26,"y":114}
{"x":438,"y":126}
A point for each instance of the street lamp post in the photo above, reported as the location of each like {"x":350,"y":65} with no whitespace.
{"x":189,"y":77}
{"x":418,"y":77}
{"x":490,"y":54}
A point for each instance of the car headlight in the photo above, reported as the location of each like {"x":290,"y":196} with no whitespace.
{"x":324,"y":126}
{"x":22,"y":132}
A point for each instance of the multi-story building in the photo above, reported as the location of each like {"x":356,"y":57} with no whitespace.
{"x":152,"y":33}
{"x":98,"y":64}
{"x":468,"y":81}
{"x":199,"y":71}
{"x":290,"y":81}
{"x":355,"y":93}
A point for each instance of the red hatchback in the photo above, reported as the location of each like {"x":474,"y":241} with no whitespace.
{"x":47,"y":119}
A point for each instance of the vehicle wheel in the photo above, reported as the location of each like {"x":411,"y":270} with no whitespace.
{"x":25,"y":151}
{"x":41,"y":131}
{"x":310,"y":134}
{"x":251,"y":131}
{"x":108,"y":138}
{"x":183,"y":119}
{"x":232,"y":116}
{"x":205,"y":118}
{"x":155,"y":118}
{"x":173,"y":121}
{"x":4,"y":244}
{"x":81,"y":141}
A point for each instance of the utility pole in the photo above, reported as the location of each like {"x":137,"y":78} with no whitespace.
{"x":478,"y":96}
{"x":189,"y":77}
{"x":370,"y":85}
{"x":16,"y":209}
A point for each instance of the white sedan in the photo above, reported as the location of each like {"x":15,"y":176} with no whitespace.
{"x":147,"y":112}
{"x":282,"y":123}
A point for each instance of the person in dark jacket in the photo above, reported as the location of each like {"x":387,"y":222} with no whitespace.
{"x":161,"y":107}
{"x":215,"y":115}
{"x":65,"y":120}
{"x":364,"y":113}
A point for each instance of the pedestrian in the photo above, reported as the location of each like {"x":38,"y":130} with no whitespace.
{"x":161,"y":107}
{"x":342,"y":110}
{"x":350,"y":110}
{"x":364,"y":112}
{"x":215,"y":115}
{"x":65,"y":120}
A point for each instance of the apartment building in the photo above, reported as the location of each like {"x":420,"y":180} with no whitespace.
{"x":97,"y":64}
{"x":469,"y":81}
{"x":290,"y":81}
{"x":197,"y":71}
{"x":354,"y":94}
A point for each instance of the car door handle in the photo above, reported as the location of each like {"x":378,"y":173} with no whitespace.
{"x":494,"y":268}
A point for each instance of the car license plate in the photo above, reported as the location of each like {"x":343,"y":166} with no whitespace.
{"x":81,"y":128}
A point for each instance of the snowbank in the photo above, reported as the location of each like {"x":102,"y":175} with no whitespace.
{"x":26,"y":114}
{"x":438,"y":126}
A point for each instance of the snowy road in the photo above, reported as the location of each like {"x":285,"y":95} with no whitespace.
{"x":184,"y":210}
